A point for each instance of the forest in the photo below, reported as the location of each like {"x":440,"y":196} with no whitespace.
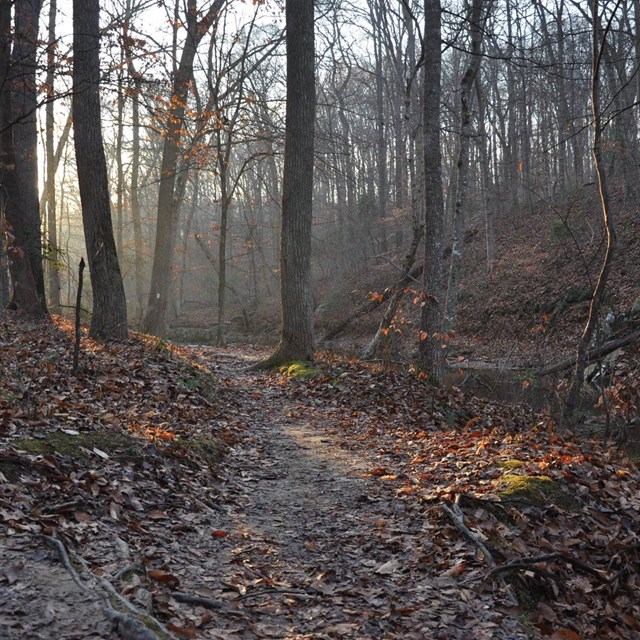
{"x":319,"y":319}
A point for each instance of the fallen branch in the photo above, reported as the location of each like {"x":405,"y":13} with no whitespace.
{"x":369,"y":306}
{"x":525,"y":563}
{"x":592,"y":355}
{"x":199,"y":601}
{"x":374,"y":345}
{"x":457,"y":516}
{"x":265,"y":592}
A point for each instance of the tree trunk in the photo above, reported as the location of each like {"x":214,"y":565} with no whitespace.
{"x":297,"y":339}
{"x":167,"y":223}
{"x":23,"y":90}
{"x":136,"y":217}
{"x":486,"y":179}
{"x":18,"y":171}
{"x":53,"y":273}
{"x":430,"y":356}
{"x":462,"y":169}
{"x":582,"y":358}
{"x":109,"y":319}
{"x":376,"y":9}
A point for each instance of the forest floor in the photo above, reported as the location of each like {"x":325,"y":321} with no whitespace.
{"x":167,"y":492}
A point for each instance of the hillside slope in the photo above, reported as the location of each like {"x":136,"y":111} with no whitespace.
{"x":531,"y":308}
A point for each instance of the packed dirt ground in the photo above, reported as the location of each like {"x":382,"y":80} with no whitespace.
{"x":167,"y":492}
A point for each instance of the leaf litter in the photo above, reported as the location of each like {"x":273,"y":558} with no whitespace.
{"x":354,"y":503}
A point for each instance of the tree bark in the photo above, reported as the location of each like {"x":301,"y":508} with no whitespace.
{"x":430,"y":355}
{"x":109,"y":319}
{"x":18,"y":168}
{"x":23,"y":90}
{"x":136,"y":216}
{"x":53,"y":273}
{"x":476,"y":22}
{"x":297,"y":338}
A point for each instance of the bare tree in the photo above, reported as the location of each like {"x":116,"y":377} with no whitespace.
{"x":297,"y":337}
{"x":168,"y":203}
{"x":599,"y":35}
{"x":477,"y":16}
{"x":430,"y":355}
{"x":109,"y":319}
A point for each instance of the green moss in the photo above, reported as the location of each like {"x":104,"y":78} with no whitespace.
{"x":193,"y":384}
{"x":298,"y":369}
{"x":211,"y":450}
{"x":510,"y":465}
{"x":539,"y":490}
{"x":115,"y":444}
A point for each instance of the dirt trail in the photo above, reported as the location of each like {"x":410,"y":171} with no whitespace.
{"x":331,"y":554}
{"x":292,"y":543}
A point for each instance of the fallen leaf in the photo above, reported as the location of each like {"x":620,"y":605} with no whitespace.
{"x":565,"y":634}
{"x":388,"y":567}
{"x":164,"y":577}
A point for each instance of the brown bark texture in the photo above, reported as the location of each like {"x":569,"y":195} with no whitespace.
{"x":297,"y":338}
{"x":109,"y":319}
{"x":430,"y":355}
{"x":18,"y":148}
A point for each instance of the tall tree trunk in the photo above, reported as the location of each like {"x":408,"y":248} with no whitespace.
{"x":53,"y":253}
{"x":23,"y":89}
{"x":486,"y":178}
{"x":376,"y":8}
{"x":136,"y":216}
{"x":167,"y":223}
{"x":297,"y":338}
{"x":430,"y":357}
{"x":119,"y":160}
{"x":599,"y":42}
{"x":476,"y":23}
{"x":18,"y":169}
{"x":109,"y":319}
{"x":225,"y":202}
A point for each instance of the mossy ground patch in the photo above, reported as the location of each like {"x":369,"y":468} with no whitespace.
{"x":538,"y":490}
{"x":298,"y":370}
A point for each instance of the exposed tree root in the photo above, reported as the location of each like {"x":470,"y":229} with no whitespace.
{"x":132,"y":624}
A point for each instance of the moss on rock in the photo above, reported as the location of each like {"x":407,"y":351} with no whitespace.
{"x":539,"y":490}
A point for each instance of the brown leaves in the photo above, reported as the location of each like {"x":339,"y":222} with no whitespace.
{"x":437,"y":445}
{"x":164,"y":577}
{"x":362,"y":562}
